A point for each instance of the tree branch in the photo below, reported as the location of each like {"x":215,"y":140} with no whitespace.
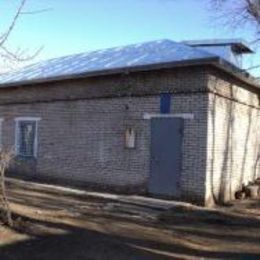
{"x":252,"y":67}
{"x":6,"y":35}
{"x":37,"y":11}
{"x":19,"y":57}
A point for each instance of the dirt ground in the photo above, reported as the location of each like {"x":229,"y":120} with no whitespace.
{"x":57,"y":223}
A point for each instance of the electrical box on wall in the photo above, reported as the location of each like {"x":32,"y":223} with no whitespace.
{"x":130,"y":138}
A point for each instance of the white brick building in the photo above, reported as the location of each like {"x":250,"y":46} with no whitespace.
{"x":161,"y":118}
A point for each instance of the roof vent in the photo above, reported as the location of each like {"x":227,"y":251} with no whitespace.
{"x":231,"y":50}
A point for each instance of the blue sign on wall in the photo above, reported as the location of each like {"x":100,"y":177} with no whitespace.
{"x":165,"y":103}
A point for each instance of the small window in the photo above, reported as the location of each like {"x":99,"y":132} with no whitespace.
{"x":165,"y":103}
{"x":26,"y":137}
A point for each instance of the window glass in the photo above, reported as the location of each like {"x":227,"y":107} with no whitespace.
{"x":165,"y":103}
{"x":26,"y":138}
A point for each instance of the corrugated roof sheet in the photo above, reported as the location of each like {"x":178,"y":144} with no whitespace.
{"x":149,"y":53}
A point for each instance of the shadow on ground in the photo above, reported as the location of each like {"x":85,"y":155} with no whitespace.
{"x":78,"y":243}
{"x":60,"y":225}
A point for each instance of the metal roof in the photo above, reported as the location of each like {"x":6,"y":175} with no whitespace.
{"x":240,"y":45}
{"x":126,"y":57}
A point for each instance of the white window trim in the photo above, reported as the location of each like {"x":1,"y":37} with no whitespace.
{"x":148,"y":116}
{"x":20,"y":119}
{"x":28,"y":118}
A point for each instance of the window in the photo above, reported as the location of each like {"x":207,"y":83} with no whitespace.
{"x":26,"y":136}
{"x":165,"y":103}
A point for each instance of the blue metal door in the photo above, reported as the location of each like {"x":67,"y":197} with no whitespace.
{"x":166,"y":156}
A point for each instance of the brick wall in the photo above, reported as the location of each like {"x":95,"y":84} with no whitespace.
{"x":81,"y":132}
{"x":179,"y":80}
{"x":84,"y":141}
{"x":233,"y":138}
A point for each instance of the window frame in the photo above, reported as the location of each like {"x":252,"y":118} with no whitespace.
{"x":18,"y":120}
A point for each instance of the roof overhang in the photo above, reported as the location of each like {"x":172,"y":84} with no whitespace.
{"x":239,"y":45}
{"x":215,"y":61}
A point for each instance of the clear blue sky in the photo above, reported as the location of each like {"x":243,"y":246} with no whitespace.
{"x":82,"y":25}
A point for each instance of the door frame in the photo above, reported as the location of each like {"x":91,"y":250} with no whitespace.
{"x":178,"y":171}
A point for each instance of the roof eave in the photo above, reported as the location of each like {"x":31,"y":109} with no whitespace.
{"x":243,"y":48}
{"x":241,"y":45}
{"x":214,"y":61}
{"x":125,"y":70}
{"x":229,"y":68}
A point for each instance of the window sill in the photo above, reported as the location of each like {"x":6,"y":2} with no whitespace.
{"x":20,"y":157}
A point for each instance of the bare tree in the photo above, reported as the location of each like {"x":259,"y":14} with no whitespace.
{"x":5,"y":160}
{"x":8,"y":55}
{"x":239,"y":13}
{"x":11,"y":57}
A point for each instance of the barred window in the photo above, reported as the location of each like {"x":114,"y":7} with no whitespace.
{"x":26,"y":137}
